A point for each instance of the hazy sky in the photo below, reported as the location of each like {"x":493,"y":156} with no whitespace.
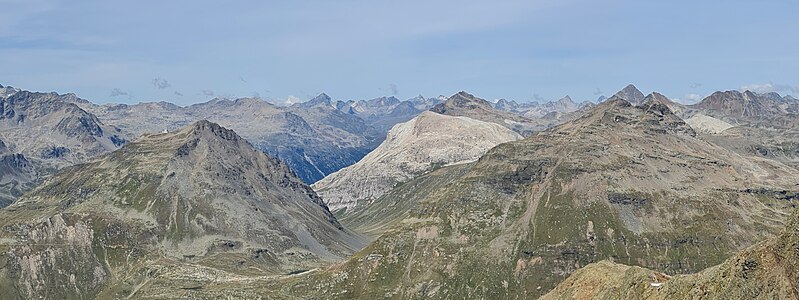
{"x":191,"y":51}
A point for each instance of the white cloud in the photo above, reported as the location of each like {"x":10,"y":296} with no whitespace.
{"x":291,"y":99}
{"x":770,"y":87}
{"x":689,"y":99}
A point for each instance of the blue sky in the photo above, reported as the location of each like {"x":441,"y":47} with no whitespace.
{"x":191,"y":51}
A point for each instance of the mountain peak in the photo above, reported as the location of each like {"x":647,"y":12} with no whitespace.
{"x":630,"y":93}
{"x":463,"y":97}
{"x":205,"y":126}
{"x":566,"y":100}
{"x":462,"y":100}
{"x":320,"y":100}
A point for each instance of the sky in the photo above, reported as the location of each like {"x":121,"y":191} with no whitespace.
{"x":286,"y":51}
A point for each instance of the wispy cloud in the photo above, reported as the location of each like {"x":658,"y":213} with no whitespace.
{"x":207,"y":93}
{"x":597,"y":92}
{"x":179,"y":94}
{"x":695,"y":85}
{"x":392,"y":88}
{"x":116,"y":92}
{"x":161,"y":83}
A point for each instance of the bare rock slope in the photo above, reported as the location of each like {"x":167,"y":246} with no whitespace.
{"x":412,"y":148}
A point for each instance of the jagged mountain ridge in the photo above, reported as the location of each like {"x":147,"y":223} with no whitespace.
{"x":751,"y":109}
{"x":410,"y":149}
{"x":201,"y":198}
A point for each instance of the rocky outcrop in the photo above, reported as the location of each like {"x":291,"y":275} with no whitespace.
{"x":55,"y":259}
{"x":428,"y":141}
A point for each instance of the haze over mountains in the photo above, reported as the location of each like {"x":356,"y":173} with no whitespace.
{"x":448,"y":197}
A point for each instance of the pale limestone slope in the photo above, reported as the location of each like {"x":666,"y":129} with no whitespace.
{"x":410,"y":149}
{"x":706,"y":124}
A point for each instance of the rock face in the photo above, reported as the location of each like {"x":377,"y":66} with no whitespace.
{"x":629,"y":183}
{"x":177,"y":207}
{"x":428,"y":141}
{"x":43,"y":132}
{"x":17,"y":175}
{"x":464,"y":104}
{"x":314,"y":138}
{"x":769,"y":270}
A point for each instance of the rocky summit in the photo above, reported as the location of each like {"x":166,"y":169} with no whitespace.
{"x":168,"y":209}
{"x":426,"y":142}
{"x":464,"y":104}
